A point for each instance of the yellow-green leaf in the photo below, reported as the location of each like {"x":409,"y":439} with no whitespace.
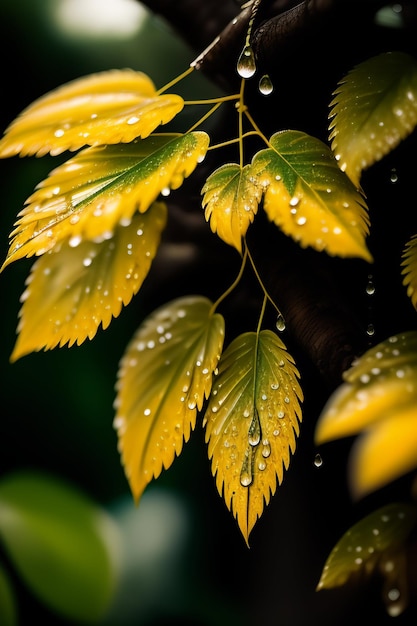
{"x":231,"y":198}
{"x":362,"y":548}
{"x":309,"y":198}
{"x":409,"y":265}
{"x":384,"y":453}
{"x":252,"y":421}
{"x":90,"y":194}
{"x":73,"y":289}
{"x":164,"y":377}
{"x":103,"y":108}
{"x":374,"y":109}
{"x":378,"y":400}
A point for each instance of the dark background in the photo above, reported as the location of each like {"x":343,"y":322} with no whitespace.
{"x":188,"y":561}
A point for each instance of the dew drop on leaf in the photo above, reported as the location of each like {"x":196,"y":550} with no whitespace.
{"x":246,"y":65}
{"x":246,"y":472}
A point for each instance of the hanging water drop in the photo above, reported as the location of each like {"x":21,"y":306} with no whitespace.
{"x":370,"y":330}
{"x":265,"y":85}
{"x":280,"y":323}
{"x":318,"y":461}
{"x":370,"y":287}
{"x":246,"y":65}
{"x":394,"y":175}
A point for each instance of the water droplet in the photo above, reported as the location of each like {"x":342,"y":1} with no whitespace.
{"x":370,"y":330}
{"x":254,"y":433}
{"x":75,"y":241}
{"x":318,"y":461}
{"x":265,"y":85}
{"x":370,"y":286}
{"x":266,"y":448}
{"x":280,"y":323}
{"x":394,"y":175}
{"x":246,"y":472}
{"x":246,"y":65}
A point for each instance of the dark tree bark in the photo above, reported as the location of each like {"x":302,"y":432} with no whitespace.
{"x":306,"y":48}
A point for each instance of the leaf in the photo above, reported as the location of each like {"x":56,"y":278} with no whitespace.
{"x":309,"y":198}
{"x":409,"y":265}
{"x":104,"y":108}
{"x":72,"y":290}
{"x":252,"y":422}
{"x":8,"y":604}
{"x":378,"y":400}
{"x":101,"y":187}
{"x":362,"y":547}
{"x":231,"y":198}
{"x":63,"y":546}
{"x":163,"y":379}
{"x":374,"y":109}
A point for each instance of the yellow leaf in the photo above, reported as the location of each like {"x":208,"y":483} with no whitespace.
{"x":252,"y":421}
{"x":164,"y":377}
{"x":409,"y":264}
{"x":363,"y":547}
{"x":385,"y":452}
{"x":231,"y":198}
{"x":103,"y":108}
{"x":374,"y":109}
{"x":309,"y":198}
{"x":72,"y":290}
{"x":378,"y":400}
{"x":89,"y":195}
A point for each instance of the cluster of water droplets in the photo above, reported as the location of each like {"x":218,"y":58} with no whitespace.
{"x":246,"y":64}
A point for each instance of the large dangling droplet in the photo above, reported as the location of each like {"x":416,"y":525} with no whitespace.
{"x":246,"y":65}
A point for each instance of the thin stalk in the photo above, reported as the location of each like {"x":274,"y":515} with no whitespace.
{"x":175,"y":81}
{"x":233,"y":285}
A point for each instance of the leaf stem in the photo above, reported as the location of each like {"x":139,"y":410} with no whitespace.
{"x":252,"y":262}
{"x":256,"y":128}
{"x":204,"y":117}
{"x":176,"y":80}
{"x":241,"y":109}
{"x":220,"y":99}
{"x":233,"y":285}
{"x":262,"y":313}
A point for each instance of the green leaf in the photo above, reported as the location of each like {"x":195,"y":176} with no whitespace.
{"x":163,"y":379}
{"x":103,"y":108}
{"x":409,"y":265}
{"x":8,"y":606}
{"x":378,"y":400}
{"x":63,"y":546}
{"x":252,"y":421}
{"x":89,"y":195}
{"x":362,"y":547}
{"x":73,"y":289}
{"x":374,"y":109}
{"x":309,"y":198}
{"x":231,"y":198}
